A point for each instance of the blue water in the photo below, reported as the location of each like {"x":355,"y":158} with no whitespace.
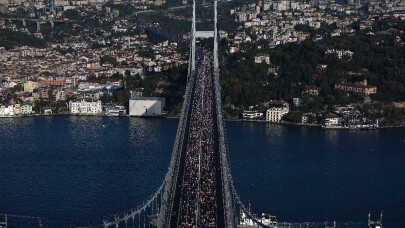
{"x":74,"y":170}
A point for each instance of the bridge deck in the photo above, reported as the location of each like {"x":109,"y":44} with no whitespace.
{"x":198,"y":197}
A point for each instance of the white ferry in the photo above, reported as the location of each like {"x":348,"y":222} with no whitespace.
{"x":265,"y":219}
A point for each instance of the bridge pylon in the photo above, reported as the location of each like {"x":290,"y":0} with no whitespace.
{"x":168,"y":215}
{"x":204,"y":34}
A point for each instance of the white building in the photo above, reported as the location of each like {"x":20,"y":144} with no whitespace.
{"x":85,"y":107}
{"x":60,"y":95}
{"x":262,"y":58}
{"x":275,"y":114}
{"x":115,"y":110}
{"x":340,"y":53}
{"x":146,"y":106}
{"x":6,"y":110}
{"x":72,"y":82}
{"x":251,"y":115}
{"x":297,"y":101}
{"x":332,"y":120}
{"x":26,"y":109}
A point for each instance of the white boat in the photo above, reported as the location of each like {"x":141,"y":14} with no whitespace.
{"x":265,"y":219}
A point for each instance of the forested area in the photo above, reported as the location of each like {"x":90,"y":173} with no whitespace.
{"x":378,"y":57}
{"x":9,"y":39}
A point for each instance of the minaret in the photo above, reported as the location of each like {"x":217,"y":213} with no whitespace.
{"x":38,"y":27}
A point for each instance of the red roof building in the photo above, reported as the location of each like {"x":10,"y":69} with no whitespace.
{"x":53,"y":81}
{"x":362,"y":87}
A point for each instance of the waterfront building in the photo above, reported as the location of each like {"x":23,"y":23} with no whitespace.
{"x":308,"y":118}
{"x":17,"y":109}
{"x":26,"y":108}
{"x":6,"y":110}
{"x":115,"y":110}
{"x":251,"y":115}
{"x":146,"y":106}
{"x":332,"y":120}
{"x":85,"y":107}
{"x":276,"y":113}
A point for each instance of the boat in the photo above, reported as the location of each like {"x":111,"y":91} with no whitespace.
{"x":255,"y":220}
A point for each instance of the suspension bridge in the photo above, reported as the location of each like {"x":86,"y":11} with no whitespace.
{"x":198,"y":189}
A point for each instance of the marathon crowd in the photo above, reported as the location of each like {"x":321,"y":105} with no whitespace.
{"x":198,"y":201}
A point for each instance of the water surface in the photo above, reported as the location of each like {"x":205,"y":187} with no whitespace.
{"x":75,"y":170}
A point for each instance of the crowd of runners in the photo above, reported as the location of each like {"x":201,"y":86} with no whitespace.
{"x":198,"y":199}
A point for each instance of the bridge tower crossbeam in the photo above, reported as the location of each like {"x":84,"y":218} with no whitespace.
{"x":204,"y":34}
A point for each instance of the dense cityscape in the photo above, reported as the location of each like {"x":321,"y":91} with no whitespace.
{"x":62,"y":57}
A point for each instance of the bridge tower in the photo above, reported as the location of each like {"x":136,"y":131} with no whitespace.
{"x":171,"y":196}
{"x":204,"y":34}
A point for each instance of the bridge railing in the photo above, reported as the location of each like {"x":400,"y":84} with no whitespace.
{"x":150,"y":206}
{"x":231,"y":197}
{"x":167,"y":185}
{"x":171,"y":176}
{"x":226,"y":175}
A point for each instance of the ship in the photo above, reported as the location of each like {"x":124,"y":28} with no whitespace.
{"x":255,"y":220}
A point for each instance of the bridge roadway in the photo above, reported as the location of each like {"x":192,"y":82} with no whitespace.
{"x":198,"y":197}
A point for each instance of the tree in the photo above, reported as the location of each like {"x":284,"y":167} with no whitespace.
{"x":355,"y":25}
{"x":294,"y":116}
{"x":117,"y":76}
{"x":127,"y":73}
{"x":122,"y":97}
{"x":108,"y":59}
{"x":50,"y":93}
{"x":72,"y":14}
{"x":303,"y":28}
{"x":9,"y":39}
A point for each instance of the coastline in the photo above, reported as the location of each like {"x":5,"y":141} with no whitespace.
{"x":227,"y":120}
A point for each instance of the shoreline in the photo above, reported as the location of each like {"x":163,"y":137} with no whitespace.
{"x":226,"y":120}
{"x":317,"y":125}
